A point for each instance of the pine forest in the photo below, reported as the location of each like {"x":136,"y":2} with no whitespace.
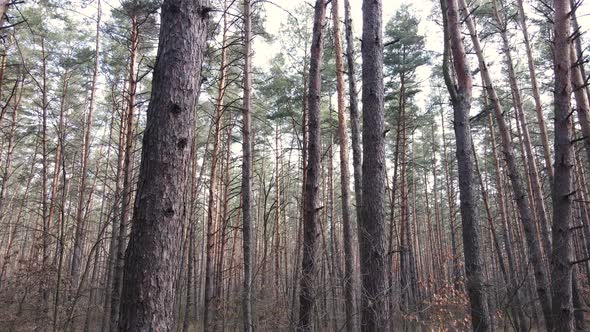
{"x":294,"y":165}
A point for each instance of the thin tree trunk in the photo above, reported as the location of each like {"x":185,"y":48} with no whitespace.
{"x":44,"y":171}
{"x":247,"y":170}
{"x":80,"y":222}
{"x":354,"y":111}
{"x":115,"y":220}
{"x":127,"y":192}
{"x":582,"y":103}
{"x":504,"y":217}
{"x":209,"y":310}
{"x":344,"y":174}
{"x":6,"y":174}
{"x":534,"y":180}
{"x":535,"y":90}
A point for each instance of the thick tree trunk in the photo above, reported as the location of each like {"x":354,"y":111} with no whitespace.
{"x":374,"y":309}
{"x":563,"y":189}
{"x":461,"y":100}
{"x":312,"y":182}
{"x":154,"y":246}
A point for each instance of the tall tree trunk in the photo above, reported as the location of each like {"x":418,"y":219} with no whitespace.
{"x":504,"y":221}
{"x":461,"y":99}
{"x":344,"y":174}
{"x":534,"y":180}
{"x":44,"y":171}
{"x":535,"y":90}
{"x":127,"y":192}
{"x":448,"y":78}
{"x":6,"y":174}
{"x":80,"y":222}
{"x":455,"y":265}
{"x":278,"y":206}
{"x":563,"y":189}
{"x":209,"y":307}
{"x":53,"y":202}
{"x":115,"y":221}
{"x":582,"y":103}
{"x":354,"y":111}
{"x":404,"y":256}
{"x":312,"y":182}
{"x":247,"y":169}
{"x":374,"y":313}
{"x":154,"y":245}
{"x":520,"y":193}
{"x":304,"y":144}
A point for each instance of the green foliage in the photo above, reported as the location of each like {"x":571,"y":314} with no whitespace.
{"x":405,"y":48}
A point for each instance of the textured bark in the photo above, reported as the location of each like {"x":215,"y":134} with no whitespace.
{"x":344,"y":174}
{"x":247,"y":169}
{"x":312,"y":182}
{"x":563,"y":189}
{"x":535,"y":91}
{"x":520,"y":193}
{"x":374,"y":309}
{"x":154,"y":246}
{"x":461,"y":100}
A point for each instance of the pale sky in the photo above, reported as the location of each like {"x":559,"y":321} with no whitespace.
{"x":275,"y":16}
